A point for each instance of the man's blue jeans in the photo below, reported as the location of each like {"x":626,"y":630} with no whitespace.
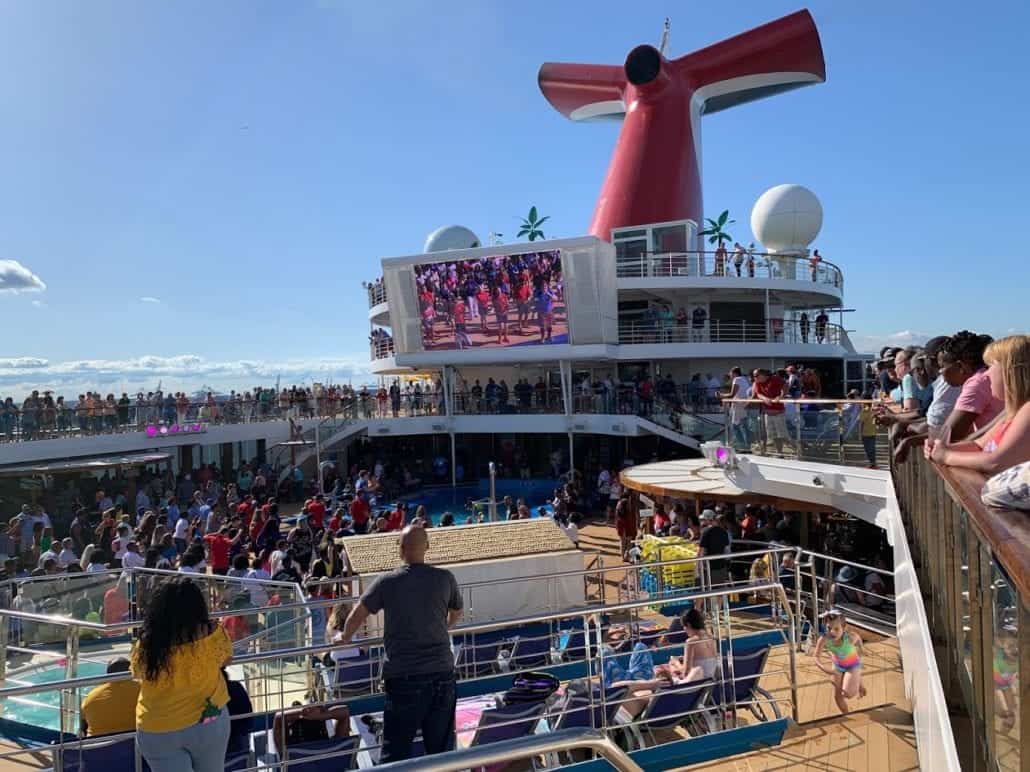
{"x":426,"y":702}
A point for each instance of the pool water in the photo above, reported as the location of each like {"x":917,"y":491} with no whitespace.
{"x":537,"y":493}
{"x":42,"y":709}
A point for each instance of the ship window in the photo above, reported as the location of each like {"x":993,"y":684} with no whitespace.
{"x":630,"y":257}
{"x":671,"y":239}
{"x":633,"y":234}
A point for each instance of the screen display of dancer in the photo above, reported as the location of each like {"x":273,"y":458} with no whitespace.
{"x":509,"y":300}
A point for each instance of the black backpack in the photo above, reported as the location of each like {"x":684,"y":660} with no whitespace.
{"x":531,"y":687}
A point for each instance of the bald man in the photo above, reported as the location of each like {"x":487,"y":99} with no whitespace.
{"x":419,"y":603}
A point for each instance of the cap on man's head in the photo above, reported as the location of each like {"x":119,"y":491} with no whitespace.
{"x":708,"y":514}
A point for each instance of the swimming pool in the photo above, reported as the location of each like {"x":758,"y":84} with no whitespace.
{"x":536,"y":493}
{"x":42,"y":709}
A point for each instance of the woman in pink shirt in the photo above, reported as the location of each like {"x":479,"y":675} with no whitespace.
{"x":1008,"y":442}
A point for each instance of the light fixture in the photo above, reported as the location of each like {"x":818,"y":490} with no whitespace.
{"x":719,"y":455}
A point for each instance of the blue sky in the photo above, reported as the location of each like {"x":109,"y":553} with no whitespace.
{"x":246,"y":164}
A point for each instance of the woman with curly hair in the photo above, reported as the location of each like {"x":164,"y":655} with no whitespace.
{"x":181,"y":720}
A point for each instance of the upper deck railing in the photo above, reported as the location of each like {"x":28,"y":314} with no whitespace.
{"x":758,"y":265}
{"x":376,"y":293}
{"x":381,"y":348}
{"x":730,"y":331}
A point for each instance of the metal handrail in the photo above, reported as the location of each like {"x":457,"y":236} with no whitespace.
{"x":704,"y":264}
{"x":510,"y":750}
{"x":479,"y":627}
{"x":786,"y":331}
{"x":33,"y":616}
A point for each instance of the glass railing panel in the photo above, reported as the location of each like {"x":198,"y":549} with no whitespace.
{"x":965,"y":640}
{"x":1005,"y":675}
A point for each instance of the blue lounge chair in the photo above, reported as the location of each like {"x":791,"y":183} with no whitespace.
{"x":308,"y":757}
{"x":511,"y":722}
{"x":355,"y":676}
{"x":582,"y":712}
{"x":743,"y":688}
{"x":672,"y":706}
{"x":100,"y":755}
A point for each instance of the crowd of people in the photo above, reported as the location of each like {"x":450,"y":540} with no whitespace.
{"x":965,"y":398}
{"x":43,"y":416}
{"x":487,"y":301}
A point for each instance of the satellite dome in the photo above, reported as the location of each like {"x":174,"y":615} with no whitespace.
{"x":787,"y":218}
{"x":451,"y":237}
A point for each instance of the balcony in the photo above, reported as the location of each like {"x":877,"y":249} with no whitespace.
{"x":824,"y":276}
{"x":376,"y":292}
{"x":381,"y":347}
{"x":732,"y":331}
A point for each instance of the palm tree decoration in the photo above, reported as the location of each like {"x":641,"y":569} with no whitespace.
{"x":715,"y":232}
{"x":531,"y":225}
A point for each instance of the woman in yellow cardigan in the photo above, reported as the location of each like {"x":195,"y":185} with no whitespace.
{"x":182,"y":724}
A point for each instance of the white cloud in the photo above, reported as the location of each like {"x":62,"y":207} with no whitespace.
{"x":22,"y":363}
{"x":871,"y":344}
{"x":39,"y":304}
{"x":15,"y":277}
{"x":149,"y":299}
{"x":185,"y":372}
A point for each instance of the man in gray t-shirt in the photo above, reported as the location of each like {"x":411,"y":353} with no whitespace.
{"x":419,"y":603}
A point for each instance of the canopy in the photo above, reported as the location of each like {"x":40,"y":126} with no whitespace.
{"x":69,"y":466}
{"x":697,"y":479}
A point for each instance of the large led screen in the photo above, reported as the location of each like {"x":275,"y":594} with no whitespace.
{"x":491,"y":302}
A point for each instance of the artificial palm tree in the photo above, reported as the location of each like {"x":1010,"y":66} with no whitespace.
{"x":531,"y":225}
{"x":715,"y":232}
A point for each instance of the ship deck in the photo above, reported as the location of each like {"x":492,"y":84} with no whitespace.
{"x":876,"y":735}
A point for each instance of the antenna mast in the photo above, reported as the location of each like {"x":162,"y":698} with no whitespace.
{"x":663,"y":47}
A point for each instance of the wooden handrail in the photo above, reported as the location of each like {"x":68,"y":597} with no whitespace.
{"x":1006,"y":531}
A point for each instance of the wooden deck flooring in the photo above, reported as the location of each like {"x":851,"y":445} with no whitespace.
{"x":877,"y":735}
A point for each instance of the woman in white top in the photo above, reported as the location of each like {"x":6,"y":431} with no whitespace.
{"x":700,"y":653}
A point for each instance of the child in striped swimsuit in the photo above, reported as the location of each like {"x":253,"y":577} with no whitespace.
{"x":844,"y":648}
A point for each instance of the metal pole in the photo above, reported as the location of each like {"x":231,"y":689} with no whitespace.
{"x":797,"y":429}
{"x":5,"y":629}
{"x":493,"y":492}
{"x":800,"y":619}
{"x":729,"y":660}
{"x":840,"y":433}
{"x":318,"y":460}
{"x":792,"y":653}
{"x":71,"y":670}
{"x":454,"y":467}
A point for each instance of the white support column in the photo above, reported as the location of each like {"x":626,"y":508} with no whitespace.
{"x":565,"y":368}
{"x":448,"y":390}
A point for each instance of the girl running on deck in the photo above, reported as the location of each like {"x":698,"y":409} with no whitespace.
{"x":845,"y":648}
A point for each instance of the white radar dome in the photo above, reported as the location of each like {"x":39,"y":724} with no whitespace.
{"x":451,"y":237}
{"x":787,"y":219}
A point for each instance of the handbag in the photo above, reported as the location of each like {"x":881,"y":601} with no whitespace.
{"x":1009,"y":489}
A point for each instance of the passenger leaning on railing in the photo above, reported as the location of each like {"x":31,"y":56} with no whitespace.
{"x":1008,"y":442}
{"x":182,"y":724}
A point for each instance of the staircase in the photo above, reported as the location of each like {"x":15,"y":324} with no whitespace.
{"x":330,"y":431}
{"x":685,"y":428}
